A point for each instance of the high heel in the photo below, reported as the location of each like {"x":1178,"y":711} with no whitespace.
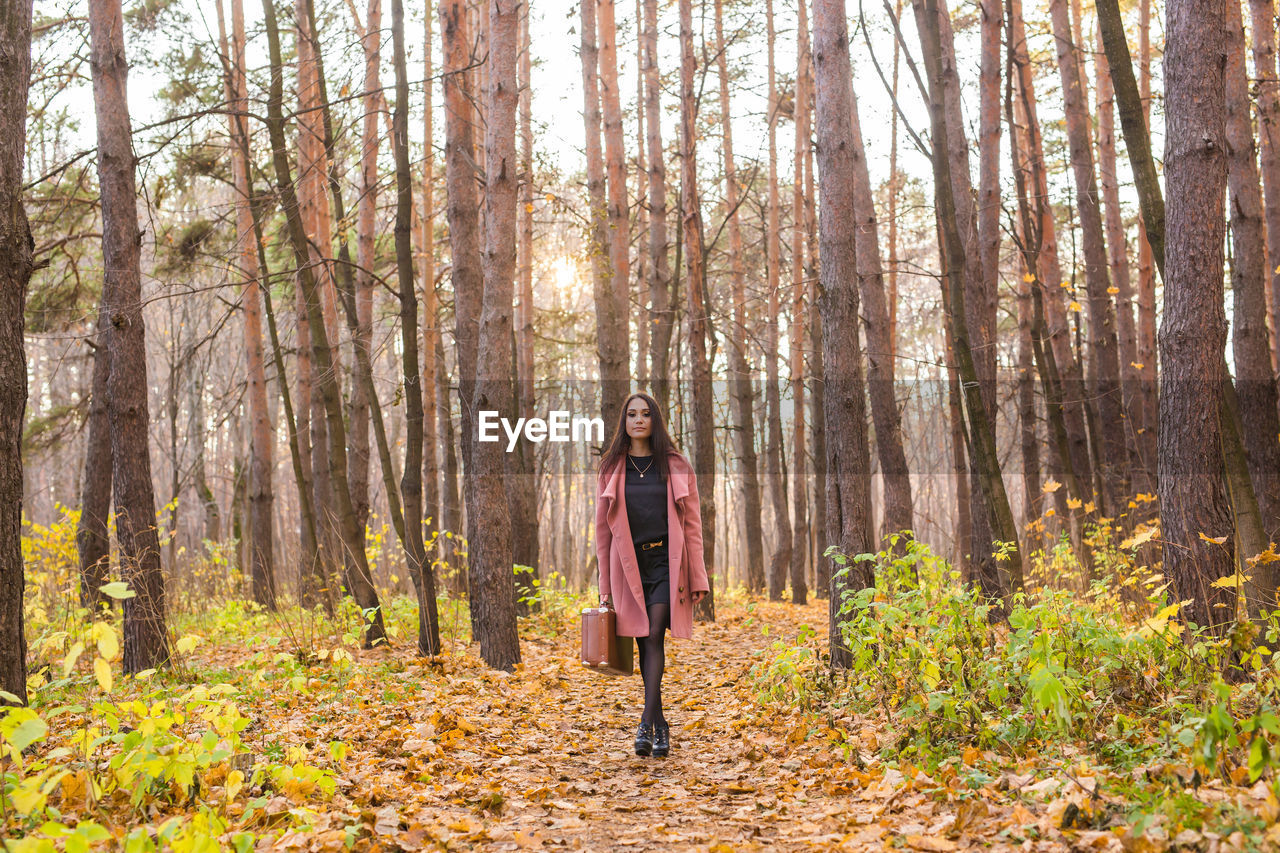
{"x":662,"y":740}
{"x":644,"y":739}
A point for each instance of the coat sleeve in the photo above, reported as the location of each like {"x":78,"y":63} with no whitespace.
{"x":693,"y":539}
{"x":604,"y":539}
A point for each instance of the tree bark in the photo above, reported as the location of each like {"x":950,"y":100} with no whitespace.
{"x":1263,"y":15}
{"x":93,"y":541}
{"x":741,"y":387}
{"x":979,"y":300}
{"x":145,"y":639}
{"x":695,"y":260}
{"x":358,"y":578}
{"x":661,"y":311}
{"x":797,"y":327}
{"x":1193,"y":499}
{"x":366,"y":258}
{"x":1255,"y":384}
{"x":261,"y":434}
{"x":1103,"y":373}
{"x":980,"y":429}
{"x":615,"y":156}
{"x":524,"y":498}
{"x":1058,"y":367}
{"x":492,"y":591}
{"x":1118,"y":261}
{"x":432,"y":509}
{"x":463,"y":212}
{"x":781,"y":559}
{"x":879,"y":344}
{"x":849,"y":455}
{"x":420,"y":569}
{"x":16,"y":248}
{"x":610,"y":317}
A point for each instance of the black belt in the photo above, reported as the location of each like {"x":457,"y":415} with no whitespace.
{"x":657,"y":543}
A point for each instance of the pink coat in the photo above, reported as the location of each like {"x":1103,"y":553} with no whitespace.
{"x":619,"y":571}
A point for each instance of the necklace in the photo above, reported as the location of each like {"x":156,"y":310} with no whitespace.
{"x":637,"y":467}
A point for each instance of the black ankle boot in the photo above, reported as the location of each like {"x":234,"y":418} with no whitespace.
{"x":662,"y":740}
{"x":644,"y":739}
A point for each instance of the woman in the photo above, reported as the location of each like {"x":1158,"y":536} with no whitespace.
{"x":649,"y":546}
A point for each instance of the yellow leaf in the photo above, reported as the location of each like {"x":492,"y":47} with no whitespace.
{"x":235,"y":781}
{"x":1113,"y":290}
{"x":528,"y":208}
{"x":1066,"y":285}
{"x":1074,"y":503}
{"x":108,"y":643}
{"x":1090,"y":507}
{"x":102,"y":670}
{"x":1213,"y":540}
{"x":551,"y":196}
{"x":1145,"y":498}
{"x":187,"y":643}
{"x":1267,"y":556}
{"x":1074,"y":306}
{"x":1231,"y":581}
{"x":1028,"y":278}
{"x":1136,"y":365}
{"x":1141,"y":536}
{"x":1050,"y":486}
{"x":69,"y":662}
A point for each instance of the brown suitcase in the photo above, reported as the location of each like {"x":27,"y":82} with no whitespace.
{"x":602,"y":649}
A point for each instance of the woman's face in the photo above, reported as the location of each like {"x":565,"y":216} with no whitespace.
{"x":639,"y":418}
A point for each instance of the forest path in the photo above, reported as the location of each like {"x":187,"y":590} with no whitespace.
{"x":542,"y":758}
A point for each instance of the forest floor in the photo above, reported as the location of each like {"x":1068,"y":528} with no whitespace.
{"x":471,"y":758}
{"x":280,"y":736}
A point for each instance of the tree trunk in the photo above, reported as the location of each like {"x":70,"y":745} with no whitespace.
{"x":879,"y":343}
{"x":740,"y":369}
{"x":1118,"y":262}
{"x":610,"y":317}
{"x":524,"y":498}
{"x":358,"y":578}
{"x":1060,"y":372}
{"x":431,"y":392}
{"x":16,"y":247}
{"x":493,"y":594}
{"x":146,"y":642}
{"x":420,"y":569}
{"x":981,"y":433}
{"x":661,"y":311}
{"x":93,"y":541}
{"x":1263,"y":15}
{"x":849,"y":456}
{"x":1103,"y":375}
{"x":261,"y":434}
{"x":695,"y":260}
{"x":781,"y":559}
{"x":979,"y":300}
{"x":1255,"y":384}
{"x":796,"y":328}
{"x":463,"y":212}
{"x":1193,"y":499}
{"x":615,"y":156}
{"x":366,"y":259}
{"x":1147,"y":349}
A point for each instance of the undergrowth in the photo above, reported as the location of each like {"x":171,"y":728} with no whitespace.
{"x":1095,"y":665}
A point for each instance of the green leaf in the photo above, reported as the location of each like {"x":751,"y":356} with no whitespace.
{"x":1259,"y":758}
{"x":28,"y":729}
{"x":118,"y":590}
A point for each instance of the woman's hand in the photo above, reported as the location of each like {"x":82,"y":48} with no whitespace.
{"x":698,"y":595}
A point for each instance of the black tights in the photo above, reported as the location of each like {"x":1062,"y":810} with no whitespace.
{"x":653,"y":660}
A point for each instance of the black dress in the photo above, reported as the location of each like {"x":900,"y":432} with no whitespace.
{"x":647,"y":517}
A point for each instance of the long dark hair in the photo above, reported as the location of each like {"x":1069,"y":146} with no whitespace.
{"x":659,"y":439}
